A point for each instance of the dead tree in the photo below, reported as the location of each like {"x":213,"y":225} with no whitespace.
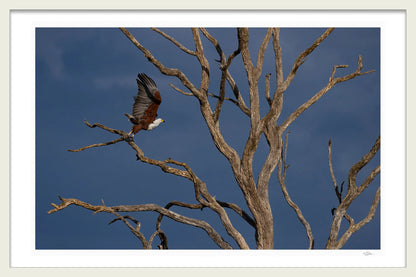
{"x":255,"y":190}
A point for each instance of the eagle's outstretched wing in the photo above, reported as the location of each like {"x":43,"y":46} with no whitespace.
{"x":146,"y":102}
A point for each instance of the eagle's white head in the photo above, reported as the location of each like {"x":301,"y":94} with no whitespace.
{"x":155,"y":123}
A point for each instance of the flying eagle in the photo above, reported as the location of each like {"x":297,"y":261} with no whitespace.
{"x":145,"y":106}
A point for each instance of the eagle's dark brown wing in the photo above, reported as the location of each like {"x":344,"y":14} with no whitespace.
{"x":146,"y":102}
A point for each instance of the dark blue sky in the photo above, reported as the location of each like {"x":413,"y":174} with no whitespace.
{"x":90,"y":74}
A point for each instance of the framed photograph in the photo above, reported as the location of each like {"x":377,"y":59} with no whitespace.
{"x":172,"y":138}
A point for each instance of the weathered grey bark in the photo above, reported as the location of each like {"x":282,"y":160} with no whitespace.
{"x":255,"y":191}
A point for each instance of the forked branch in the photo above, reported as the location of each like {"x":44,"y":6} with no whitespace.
{"x":200,"y":206}
{"x":139,"y":208}
{"x":331,"y":83}
{"x":353,"y":192}
{"x":338,"y":190}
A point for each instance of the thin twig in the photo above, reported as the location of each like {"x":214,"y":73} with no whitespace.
{"x":209,"y":93}
{"x":281,"y":176}
{"x":96,"y":145}
{"x":179,"y":45}
{"x":181,"y":91}
{"x":332,"y":171}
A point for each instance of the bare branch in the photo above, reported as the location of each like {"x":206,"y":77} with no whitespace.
{"x":96,"y":145}
{"x":213,"y":204}
{"x":262,"y":51}
{"x":371,"y":212}
{"x":200,"y":206}
{"x":276,"y":104}
{"x":114,"y":131}
{"x":253,"y":73}
{"x":352,"y":193}
{"x":225,"y":63}
{"x":134,"y":230}
{"x":332,"y":82}
{"x":337,"y":191}
{"x":225,"y":75}
{"x":278,"y":62}
{"x":239,"y":211}
{"x":332,"y":171}
{"x":356,"y":73}
{"x":334,"y":69}
{"x":267,"y":93}
{"x":302,"y":58}
{"x":202,"y":60}
{"x":179,"y":218}
{"x":359,"y":165}
{"x":216,"y":45}
{"x":241,"y":104}
{"x":181,"y":91}
{"x":224,"y":98}
{"x":165,"y":70}
{"x":369,"y":179}
{"x":281,"y":176}
{"x":355,"y":227}
{"x":140,"y":155}
{"x":272,"y":132}
{"x":210,"y":94}
{"x":179,"y":45}
{"x":163,"y":239}
{"x":144,"y":207}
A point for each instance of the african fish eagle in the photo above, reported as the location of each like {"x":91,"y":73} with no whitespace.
{"x":145,"y":106}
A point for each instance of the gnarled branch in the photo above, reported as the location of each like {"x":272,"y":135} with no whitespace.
{"x":139,"y":208}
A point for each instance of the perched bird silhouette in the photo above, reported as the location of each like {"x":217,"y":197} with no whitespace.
{"x":146,"y":104}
